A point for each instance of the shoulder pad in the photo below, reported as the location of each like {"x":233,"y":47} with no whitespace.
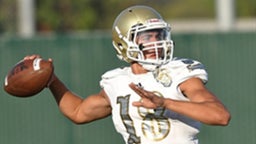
{"x":183,"y":68}
{"x":189,"y":63}
{"x":114,"y":73}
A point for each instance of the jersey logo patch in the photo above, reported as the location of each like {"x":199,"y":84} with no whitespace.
{"x":163,"y":76}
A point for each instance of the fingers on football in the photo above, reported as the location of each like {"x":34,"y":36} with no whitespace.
{"x":31,"y":57}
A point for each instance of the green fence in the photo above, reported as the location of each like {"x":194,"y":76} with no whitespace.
{"x":81,"y":60}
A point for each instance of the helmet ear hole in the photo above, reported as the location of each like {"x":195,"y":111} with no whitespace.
{"x":119,"y":45}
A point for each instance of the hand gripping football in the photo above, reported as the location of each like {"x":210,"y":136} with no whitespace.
{"x":28,"y":77}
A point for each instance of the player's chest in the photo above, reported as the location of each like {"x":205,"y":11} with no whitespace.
{"x":122,"y":92}
{"x":123,"y":96}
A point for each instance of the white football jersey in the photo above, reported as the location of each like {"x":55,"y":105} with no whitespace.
{"x":152,"y":126}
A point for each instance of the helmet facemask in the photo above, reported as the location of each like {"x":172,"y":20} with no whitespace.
{"x":161,"y":49}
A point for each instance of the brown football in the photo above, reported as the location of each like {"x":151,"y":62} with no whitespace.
{"x":28,"y":77}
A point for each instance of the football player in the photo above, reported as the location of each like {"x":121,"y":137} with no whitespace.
{"x":158,"y":99}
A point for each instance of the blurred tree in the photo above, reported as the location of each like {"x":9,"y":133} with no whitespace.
{"x":64,"y":15}
{"x":246,"y":8}
{"x":7,"y":16}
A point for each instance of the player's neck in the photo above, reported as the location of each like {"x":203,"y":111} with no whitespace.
{"x":138,"y":69}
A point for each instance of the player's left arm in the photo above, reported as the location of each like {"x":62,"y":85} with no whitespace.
{"x":203,"y":105}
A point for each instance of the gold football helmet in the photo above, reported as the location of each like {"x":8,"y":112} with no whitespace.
{"x":129,"y":24}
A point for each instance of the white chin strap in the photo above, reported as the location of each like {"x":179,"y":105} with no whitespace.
{"x":148,"y":67}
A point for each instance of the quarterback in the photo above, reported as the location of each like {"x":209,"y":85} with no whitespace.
{"x":158,"y":99}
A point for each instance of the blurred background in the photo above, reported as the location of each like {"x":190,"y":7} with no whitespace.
{"x":77,"y":35}
{"x":62,"y":16}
